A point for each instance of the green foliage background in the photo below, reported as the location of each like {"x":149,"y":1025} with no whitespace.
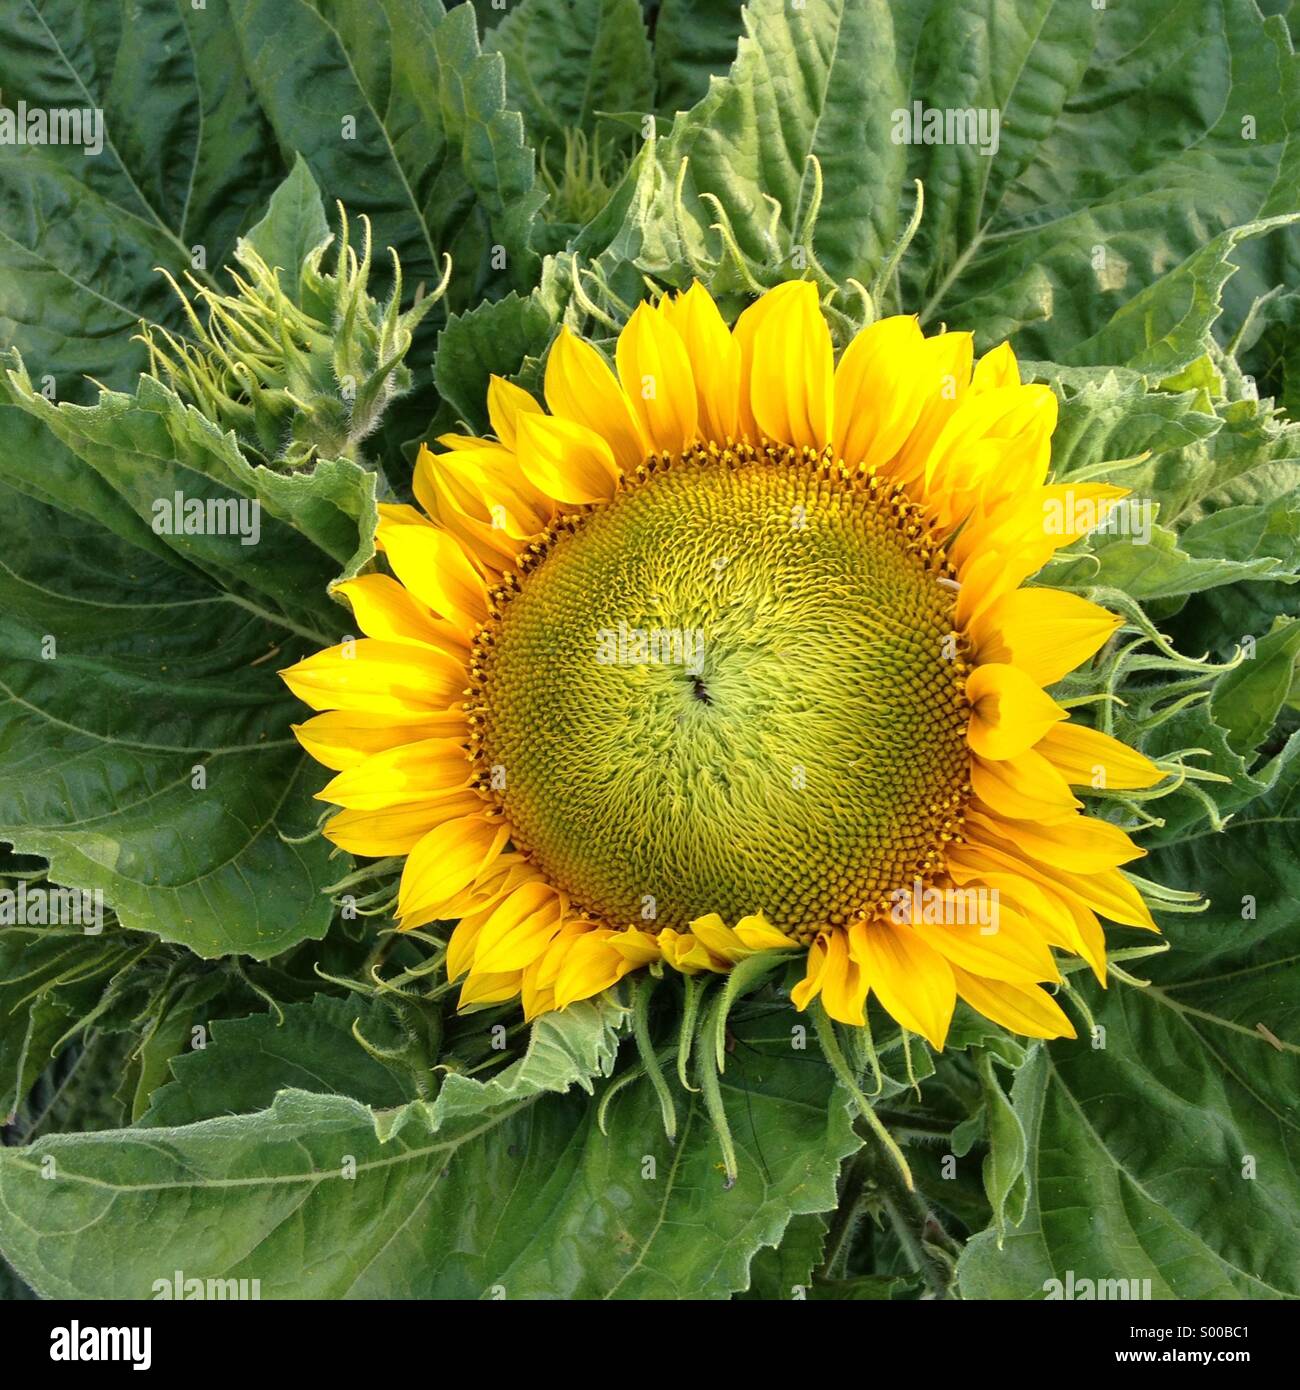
{"x":1132,"y":237}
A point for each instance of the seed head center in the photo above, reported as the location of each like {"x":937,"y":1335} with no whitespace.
{"x":734,"y":688}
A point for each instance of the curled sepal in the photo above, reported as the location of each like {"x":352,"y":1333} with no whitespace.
{"x":837,"y":1062}
{"x":695,"y":987}
{"x":709,"y":1075}
{"x":299,"y":362}
{"x":641,"y":994}
{"x":419,"y":1029}
{"x":741,"y":979}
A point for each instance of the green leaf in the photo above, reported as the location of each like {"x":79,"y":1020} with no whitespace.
{"x":12,"y":1288}
{"x":153,"y":678}
{"x":1168,"y":1152}
{"x":165,"y":1040}
{"x":497,"y":1190}
{"x":294,"y":225}
{"x":786,"y":1270}
{"x":1132,"y":141}
{"x":1247,"y":700}
{"x":1004,"y":1164}
{"x":694,"y":40}
{"x":46,"y":983}
{"x":1225,"y":484}
{"x":1272,"y":353}
{"x":247,"y":1060}
{"x":493,"y":338}
{"x":401,"y":117}
{"x":150,"y":447}
{"x":568,"y":59}
{"x":1166,"y":326}
{"x":862,"y":1288}
{"x":81,"y":1096}
{"x":1252,"y":531}
{"x":1139,"y":155}
{"x":1240,"y":453}
{"x":185,"y":160}
{"x":805,"y":84}
{"x":1156,"y":568}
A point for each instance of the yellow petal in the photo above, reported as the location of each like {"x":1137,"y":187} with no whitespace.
{"x":718,"y":938}
{"x":843,"y":982}
{"x":502,"y":876}
{"x":410,"y":772}
{"x":811,"y":985}
{"x":481,"y":990}
{"x":398,"y":678}
{"x":943,"y":370}
{"x":400,"y":514}
{"x":432,"y":565}
{"x":996,"y":369}
{"x":397,"y":829}
{"x":1088,"y":758}
{"x":591,"y":966}
{"x":911,"y":979}
{"x":343,"y":738}
{"x":1026,"y":787}
{"x":1009,"y":713}
{"x":1031,"y":1012}
{"x":637,"y":947}
{"x":788,"y":365}
{"x":686,"y":954}
{"x":1078,"y":843}
{"x":996,"y":444}
{"x":984,"y":579}
{"x":484,"y":485}
{"x":535,"y":999}
{"x":484,"y":501}
{"x":519,"y":928}
{"x":1007,"y":948}
{"x":447,"y":860}
{"x":1033,"y":526}
{"x":462,"y":942}
{"x":656,"y":376}
{"x":1044,"y":632}
{"x":880,"y":391}
{"x":580,"y":388}
{"x":545,"y":970}
{"x":467,"y":442}
{"x":1040,"y":904}
{"x":756,"y":933}
{"x":387,"y":610}
{"x":567,"y":461}
{"x":1090,"y":940}
{"x":1107,"y":892}
{"x":715,"y":359}
{"x":505,"y":403}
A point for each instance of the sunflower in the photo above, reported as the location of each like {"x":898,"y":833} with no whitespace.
{"x":727,"y":651}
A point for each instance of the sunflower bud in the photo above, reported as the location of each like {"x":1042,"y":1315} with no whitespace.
{"x":298,"y":372}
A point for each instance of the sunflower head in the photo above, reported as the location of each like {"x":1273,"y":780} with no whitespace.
{"x":728,"y":650}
